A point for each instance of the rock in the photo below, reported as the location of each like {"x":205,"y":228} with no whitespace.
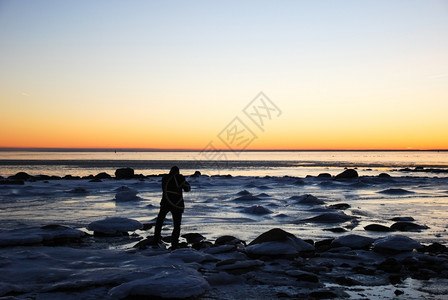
{"x":167,"y":282}
{"x":244,"y":193}
{"x":307,"y":200}
{"x":403,"y":219}
{"x":12,"y":182}
{"x":340,"y":206}
{"x":324,"y":175}
{"x":249,"y":197}
{"x":395,"y":243}
{"x":193,"y":237}
{"x":21,"y":176}
{"x":124,"y":173}
{"x":434,"y":248}
{"x":277,"y":242}
{"x":336,"y":229}
{"x":49,"y":234}
{"x":390,"y":265}
{"x":338,"y":217}
{"x":102,"y":175}
{"x":395,"y":192}
{"x":196,"y":174}
{"x":353,"y":241}
{"x":347,"y":174}
{"x":114,"y":226}
{"x":384,"y":175}
{"x":303,"y":275}
{"x":257,"y":210}
{"x":239,"y":266}
{"x":125,"y":194}
{"x":346,"y":281}
{"x":407,"y":226}
{"x":228,"y":240}
{"x":377,"y":227}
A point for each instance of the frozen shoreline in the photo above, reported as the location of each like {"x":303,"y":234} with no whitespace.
{"x":242,"y":206}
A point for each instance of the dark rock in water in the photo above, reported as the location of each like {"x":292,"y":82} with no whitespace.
{"x":78,"y":190}
{"x":340,"y":206}
{"x":396,"y":243}
{"x":244,"y":193}
{"x":278,"y":243}
{"x":12,"y":182}
{"x":407,"y":226}
{"x":347,"y":174}
{"x":21,"y":176}
{"x":273,"y":235}
{"x":303,"y":275}
{"x":247,"y":198}
{"x":395,"y":192}
{"x":124,"y":173}
{"x":384,"y":175}
{"x":102,"y":175}
{"x":335,"y":229}
{"x":403,"y":219}
{"x":339,"y":217}
{"x":196,"y":174}
{"x":147,"y":226}
{"x":307,"y":200}
{"x":193,"y":237}
{"x":377,"y":227}
{"x":71,"y":177}
{"x":353,"y":241}
{"x":346,"y":281}
{"x":324,"y":175}
{"x":299,"y":182}
{"x":390,"y":265}
{"x":434,"y":248}
{"x":325,"y":294}
{"x":257,"y":210}
{"x":228,"y":240}
{"x":398,"y":292}
{"x":324,"y":245}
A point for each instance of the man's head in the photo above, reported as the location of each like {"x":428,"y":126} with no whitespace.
{"x":174,"y":170}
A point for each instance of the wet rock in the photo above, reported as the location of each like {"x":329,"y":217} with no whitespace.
{"x":396,"y":243}
{"x":398,"y":292}
{"x":346,"y":281}
{"x":244,"y":193}
{"x":21,"y":176}
{"x":277,"y":242}
{"x":307,"y":200}
{"x":114,"y":226}
{"x":384,"y":175}
{"x":167,"y":282}
{"x":403,"y":219}
{"x":395,"y":192}
{"x":239,"y":266}
{"x":390,"y":265}
{"x":324,"y":175}
{"x":407,"y":226}
{"x":303,"y":275}
{"x":102,"y":175}
{"x":257,"y":210}
{"x":377,"y":227}
{"x":340,"y":206}
{"x":347,"y":174}
{"x":338,"y":217}
{"x":196,"y":174}
{"x":12,"y":182}
{"x":434,"y":248}
{"x":193,"y":237}
{"x":228,"y":240}
{"x":353,"y":241}
{"x":335,"y":229}
{"x":124,"y":173}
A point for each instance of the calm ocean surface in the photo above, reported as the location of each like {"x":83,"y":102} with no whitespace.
{"x":249,"y":163}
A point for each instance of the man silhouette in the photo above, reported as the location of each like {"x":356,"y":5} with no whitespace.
{"x":172,"y":201}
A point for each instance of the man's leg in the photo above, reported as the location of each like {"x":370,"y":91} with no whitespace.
{"x":177,"y":219}
{"x":159,"y":223}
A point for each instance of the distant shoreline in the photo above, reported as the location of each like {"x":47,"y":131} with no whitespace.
{"x":16,"y":149}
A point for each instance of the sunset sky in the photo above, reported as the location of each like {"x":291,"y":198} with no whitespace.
{"x":182,"y":74}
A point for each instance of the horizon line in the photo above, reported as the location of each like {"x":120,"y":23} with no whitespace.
{"x":107,"y":149}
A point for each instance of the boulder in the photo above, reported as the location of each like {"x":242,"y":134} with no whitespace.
{"x":277,"y":242}
{"x":407,"y":226}
{"x":347,"y":174}
{"x":377,"y":227}
{"x":396,"y":243}
{"x":124,"y":173}
{"x":307,"y":200}
{"x":353,"y":241}
{"x":330,"y":217}
{"x":172,"y":282}
{"x":114,"y":226}
{"x":257,"y":210}
{"x":21,"y":176}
